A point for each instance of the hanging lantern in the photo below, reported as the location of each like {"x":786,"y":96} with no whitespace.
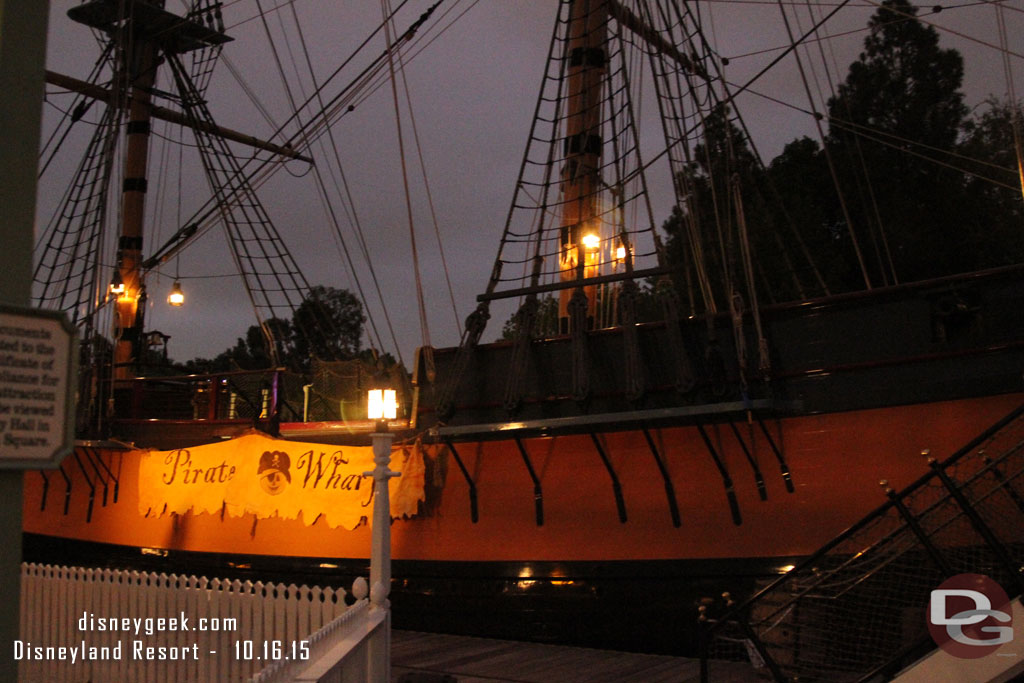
{"x":116,"y":283}
{"x":176,"y":297}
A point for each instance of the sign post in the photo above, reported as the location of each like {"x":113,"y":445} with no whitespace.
{"x":22,"y":60}
{"x":37,"y":387}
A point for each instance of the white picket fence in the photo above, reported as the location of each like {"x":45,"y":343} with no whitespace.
{"x":235,"y":629}
{"x":353,"y":648}
{"x":173,"y":628}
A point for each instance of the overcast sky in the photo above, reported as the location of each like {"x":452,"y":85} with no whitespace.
{"x":473,"y":91}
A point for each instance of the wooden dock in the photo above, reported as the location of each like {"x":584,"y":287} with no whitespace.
{"x":430,"y":657}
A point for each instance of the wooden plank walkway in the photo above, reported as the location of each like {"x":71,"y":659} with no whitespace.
{"x":427,"y":657}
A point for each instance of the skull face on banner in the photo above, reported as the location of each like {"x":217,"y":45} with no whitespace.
{"x":273,"y":472}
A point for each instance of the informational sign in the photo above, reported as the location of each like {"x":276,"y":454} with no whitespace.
{"x":255,"y":474}
{"x":37,"y":387}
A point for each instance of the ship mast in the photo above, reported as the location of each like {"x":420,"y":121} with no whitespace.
{"x":144,"y":36}
{"x":141,"y":36}
{"x":140,"y":58}
{"x":141,"y":33}
{"x":580,"y":234}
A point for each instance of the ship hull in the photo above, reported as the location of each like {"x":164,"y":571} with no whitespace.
{"x":576,"y":519}
{"x":505,"y":575}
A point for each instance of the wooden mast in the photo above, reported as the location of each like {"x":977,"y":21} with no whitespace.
{"x":588,"y":24}
{"x":140,"y":56}
{"x":142,"y":32}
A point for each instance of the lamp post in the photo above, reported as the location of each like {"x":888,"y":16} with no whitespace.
{"x":381,"y":406}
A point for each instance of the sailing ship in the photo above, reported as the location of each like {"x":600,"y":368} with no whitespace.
{"x":600,"y":468}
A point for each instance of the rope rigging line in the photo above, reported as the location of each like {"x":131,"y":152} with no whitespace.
{"x":777,"y":196}
{"x":673,"y":86}
{"x":495,"y":276}
{"x":277,"y":57}
{"x":274,"y":282}
{"x":540,"y":208}
{"x":414,"y":48}
{"x":70,"y":250}
{"x":940,"y":27}
{"x":253,"y":97}
{"x":424,"y":327}
{"x":430,"y":197}
{"x":204,"y":217}
{"x":350,"y":212}
{"x":899,"y":142}
{"x":886,"y":265}
{"x":876,"y":136}
{"x":830,"y":37}
{"x":321,"y":186}
{"x":80,"y":105}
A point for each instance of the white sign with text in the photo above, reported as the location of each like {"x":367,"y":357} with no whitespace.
{"x":37,"y":387}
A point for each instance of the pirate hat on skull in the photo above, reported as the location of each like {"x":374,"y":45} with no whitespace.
{"x":277,"y":461}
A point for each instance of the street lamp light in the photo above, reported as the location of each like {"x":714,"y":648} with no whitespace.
{"x":381,"y":405}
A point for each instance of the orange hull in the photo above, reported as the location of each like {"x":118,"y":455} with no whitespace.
{"x":836,"y":462}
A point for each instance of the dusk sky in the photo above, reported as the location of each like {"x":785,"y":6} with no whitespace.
{"x":473,"y":91}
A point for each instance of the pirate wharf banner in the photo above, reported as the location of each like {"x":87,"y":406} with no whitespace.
{"x":266,"y":477}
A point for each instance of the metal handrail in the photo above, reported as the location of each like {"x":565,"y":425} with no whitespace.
{"x":213,"y":380}
{"x":736,"y":612}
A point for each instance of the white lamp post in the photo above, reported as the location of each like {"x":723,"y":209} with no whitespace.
{"x":381,"y":406}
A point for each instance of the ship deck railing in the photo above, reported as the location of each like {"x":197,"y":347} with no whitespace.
{"x":856,"y":609}
{"x":243,"y":395}
{"x":151,"y":409}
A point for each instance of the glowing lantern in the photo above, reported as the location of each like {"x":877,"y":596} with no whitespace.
{"x":381,"y":404}
{"x":176,"y":297}
{"x":116,"y":283}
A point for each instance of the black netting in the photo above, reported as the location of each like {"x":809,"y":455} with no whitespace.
{"x":859,"y":605}
{"x":338,"y":388}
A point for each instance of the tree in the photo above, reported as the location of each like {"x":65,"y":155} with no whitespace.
{"x":894,"y":124}
{"x":728,"y":207}
{"x":994,"y":186}
{"x":250,"y":352}
{"x":900,"y":101}
{"x":545,"y":323}
{"x":327,"y":325}
{"x":806,"y":210}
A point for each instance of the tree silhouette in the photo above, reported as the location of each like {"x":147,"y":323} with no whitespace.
{"x":327,"y":325}
{"x":900,"y":103}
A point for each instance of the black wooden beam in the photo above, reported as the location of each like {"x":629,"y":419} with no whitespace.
{"x":538,"y":494}
{"x":670,"y":491}
{"x":758,"y":477}
{"x":730,"y":493}
{"x":474,"y":512}
{"x":620,"y":503}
